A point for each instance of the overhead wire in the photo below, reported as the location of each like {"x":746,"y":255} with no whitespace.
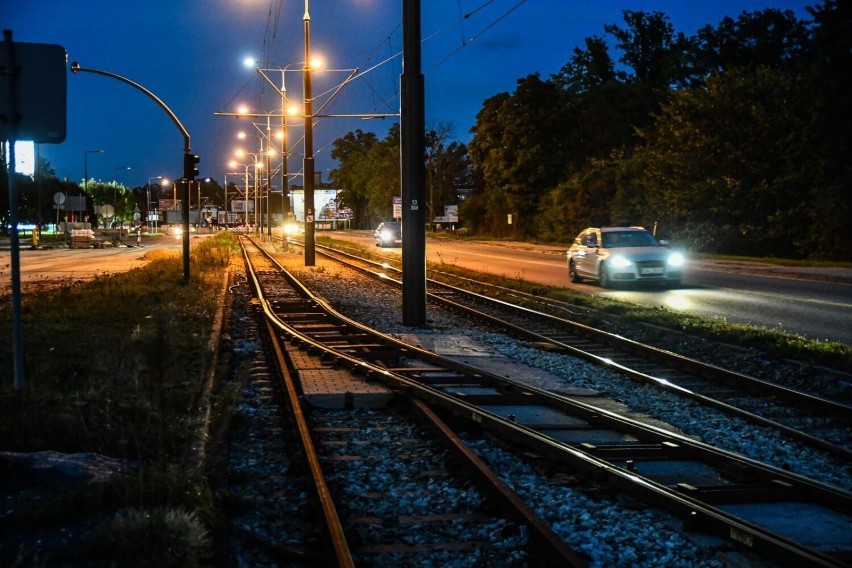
{"x":274,"y":21}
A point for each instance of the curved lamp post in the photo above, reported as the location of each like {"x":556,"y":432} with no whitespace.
{"x":188,"y":157}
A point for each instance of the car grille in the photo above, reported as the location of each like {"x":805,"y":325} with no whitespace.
{"x":651,"y":264}
{"x":651,"y":268}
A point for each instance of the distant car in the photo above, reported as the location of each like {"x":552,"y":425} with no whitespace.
{"x":612,"y":255}
{"x":294,"y":228}
{"x":388,"y":234}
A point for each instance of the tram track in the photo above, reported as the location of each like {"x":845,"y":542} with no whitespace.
{"x":820,"y":422}
{"x":370,"y":535}
{"x":697,"y":482}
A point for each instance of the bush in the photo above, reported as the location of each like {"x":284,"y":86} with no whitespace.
{"x":162,"y":537}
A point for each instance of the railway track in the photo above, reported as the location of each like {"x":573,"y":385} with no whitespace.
{"x":712,"y":490}
{"x":329,"y":444}
{"x":819,"y":422}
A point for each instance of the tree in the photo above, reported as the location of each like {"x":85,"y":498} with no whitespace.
{"x":728,"y":161}
{"x":518,"y":150}
{"x":830,"y":76}
{"x":448,"y":168}
{"x":770,"y":38}
{"x":352,"y":175}
{"x":652,"y":49}
{"x":384,"y":180}
{"x":587,"y":69}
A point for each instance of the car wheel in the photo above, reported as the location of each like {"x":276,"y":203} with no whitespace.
{"x":572,"y":273}
{"x":603,"y":277}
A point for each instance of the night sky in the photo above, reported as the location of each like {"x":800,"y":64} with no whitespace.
{"x":190,"y":53}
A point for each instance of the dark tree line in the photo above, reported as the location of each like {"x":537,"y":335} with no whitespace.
{"x":733,"y":140}
{"x":369,"y":173}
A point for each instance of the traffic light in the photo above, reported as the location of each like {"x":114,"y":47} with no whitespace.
{"x":190,"y":166}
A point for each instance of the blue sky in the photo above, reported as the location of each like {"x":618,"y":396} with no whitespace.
{"x":190,"y":54}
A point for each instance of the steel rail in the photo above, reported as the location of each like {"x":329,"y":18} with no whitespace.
{"x":552,"y":549}
{"x":331,"y":525}
{"x":674,"y":360}
{"x":600,"y":462}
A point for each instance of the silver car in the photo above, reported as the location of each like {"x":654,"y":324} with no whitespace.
{"x":611,"y":255}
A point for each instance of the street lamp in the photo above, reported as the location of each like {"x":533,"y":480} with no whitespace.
{"x":286,"y":109}
{"x":114,"y":201}
{"x":86,"y":169}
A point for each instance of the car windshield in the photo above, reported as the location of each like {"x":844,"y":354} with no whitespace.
{"x":620,"y":239}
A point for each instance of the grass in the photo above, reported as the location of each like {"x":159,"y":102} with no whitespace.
{"x":114,"y":367}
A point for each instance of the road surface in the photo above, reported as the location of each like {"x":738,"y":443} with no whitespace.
{"x":813,"y":302}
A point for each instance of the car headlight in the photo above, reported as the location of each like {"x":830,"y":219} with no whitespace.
{"x":619,"y":261}
{"x":386,"y":235}
{"x":676,"y":260}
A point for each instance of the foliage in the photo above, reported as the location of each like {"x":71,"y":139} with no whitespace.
{"x":737,"y":141}
{"x":369,"y":172}
{"x":734,"y":139}
{"x":518,"y":152}
{"x":161,"y":537}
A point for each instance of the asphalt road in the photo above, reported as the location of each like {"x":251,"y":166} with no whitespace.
{"x":813,"y":302}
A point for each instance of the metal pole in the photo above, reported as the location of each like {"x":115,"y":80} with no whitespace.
{"x":413,"y":152}
{"x":285,"y":190}
{"x":268,"y":178}
{"x":76,"y":68}
{"x":285,"y":199}
{"x":256,"y":228}
{"x":310,"y":255}
{"x":12,"y":111}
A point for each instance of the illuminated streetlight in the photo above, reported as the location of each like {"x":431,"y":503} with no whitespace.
{"x":287,"y":109}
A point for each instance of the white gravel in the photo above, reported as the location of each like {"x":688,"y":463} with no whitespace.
{"x":611,"y":530}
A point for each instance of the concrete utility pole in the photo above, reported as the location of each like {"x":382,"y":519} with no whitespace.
{"x":310,"y":244}
{"x":413,"y":153}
